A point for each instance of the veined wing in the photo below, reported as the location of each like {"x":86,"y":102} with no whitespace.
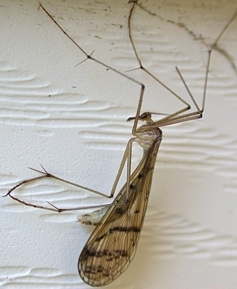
{"x":112,"y":245}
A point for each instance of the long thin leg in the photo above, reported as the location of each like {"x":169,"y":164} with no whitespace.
{"x":141,"y":65}
{"x":126,"y":157}
{"x":89,"y":57}
{"x":178,"y":116}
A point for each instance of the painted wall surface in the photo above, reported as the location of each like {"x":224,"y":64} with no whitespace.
{"x":72,"y":119}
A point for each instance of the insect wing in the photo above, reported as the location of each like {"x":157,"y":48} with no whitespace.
{"x":113,"y":243}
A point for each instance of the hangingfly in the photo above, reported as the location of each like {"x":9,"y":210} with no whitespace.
{"x":112,"y":245}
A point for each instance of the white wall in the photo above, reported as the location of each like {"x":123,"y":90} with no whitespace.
{"x":189,"y":239}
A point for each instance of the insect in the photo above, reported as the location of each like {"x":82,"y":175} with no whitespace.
{"x":113,"y":243}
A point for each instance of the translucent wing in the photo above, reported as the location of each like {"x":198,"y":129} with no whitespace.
{"x":113,"y":243}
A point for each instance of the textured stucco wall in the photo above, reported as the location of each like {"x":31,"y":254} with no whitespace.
{"x":189,"y":239}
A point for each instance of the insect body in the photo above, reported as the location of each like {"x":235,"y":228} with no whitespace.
{"x":113,"y":243}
